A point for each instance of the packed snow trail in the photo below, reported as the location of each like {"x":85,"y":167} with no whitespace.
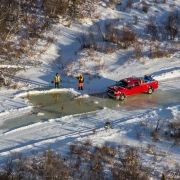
{"x":62,"y":131}
{"x":55,"y":131}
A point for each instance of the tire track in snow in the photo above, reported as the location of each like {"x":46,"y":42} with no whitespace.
{"x":68,"y":131}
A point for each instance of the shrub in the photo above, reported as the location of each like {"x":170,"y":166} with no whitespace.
{"x":158,"y":52}
{"x":99,"y":162}
{"x":127,"y":38}
{"x":129,"y":3}
{"x":135,"y":20}
{"x":138,"y":48}
{"x":129,"y":167}
{"x":109,"y":49}
{"x":15,"y":86}
{"x":155,"y":135}
{"x":164,"y":1}
{"x":50,"y":40}
{"x":88,"y":142}
{"x":145,"y":8}
{"x":110,"y":5}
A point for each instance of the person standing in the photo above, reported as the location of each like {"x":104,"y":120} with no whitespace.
{"x":81,"y":81}
{"x":57,"y":79}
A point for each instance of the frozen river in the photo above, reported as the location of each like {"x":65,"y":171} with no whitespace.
{"x":50,"y":106}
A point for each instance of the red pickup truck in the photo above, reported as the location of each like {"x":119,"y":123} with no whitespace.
{"x":131,"y":86}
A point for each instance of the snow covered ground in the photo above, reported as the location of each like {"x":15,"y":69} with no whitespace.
{"x":61,"y":131}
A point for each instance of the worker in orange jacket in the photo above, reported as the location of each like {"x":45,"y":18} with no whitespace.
{"x":81,"y":81}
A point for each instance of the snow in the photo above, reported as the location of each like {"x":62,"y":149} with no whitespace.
{"x":62,"y":131}
{"x":34,"y":92}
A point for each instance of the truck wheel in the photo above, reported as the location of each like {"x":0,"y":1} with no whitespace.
{"x":150,"y":91}
{"x":122,"y":97}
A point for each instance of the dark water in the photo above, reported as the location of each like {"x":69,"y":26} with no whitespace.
{"x":56,"y":105}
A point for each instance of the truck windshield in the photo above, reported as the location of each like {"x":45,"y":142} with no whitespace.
{"x":122,"y":83}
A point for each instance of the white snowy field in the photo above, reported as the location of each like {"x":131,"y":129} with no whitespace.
{"x":60,"y":132}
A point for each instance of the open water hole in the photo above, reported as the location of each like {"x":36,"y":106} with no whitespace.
{"x":50,"y":106}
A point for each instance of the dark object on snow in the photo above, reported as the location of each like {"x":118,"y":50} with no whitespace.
{"x":94,"y":131}
{"x":52,"y":81}
{"x":163,"y":177}
{"x":108,"y":125}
